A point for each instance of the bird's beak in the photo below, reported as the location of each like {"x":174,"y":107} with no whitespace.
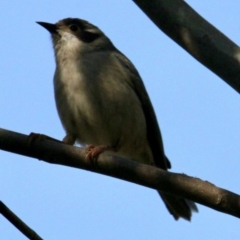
{"x":52,"y":28}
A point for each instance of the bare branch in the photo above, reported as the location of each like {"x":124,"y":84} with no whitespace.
{"x":112,"y":165}
{"x":18,"y":223}
{"x":198,"y":37}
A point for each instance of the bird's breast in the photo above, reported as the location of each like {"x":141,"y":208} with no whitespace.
{"x":98,"y":106}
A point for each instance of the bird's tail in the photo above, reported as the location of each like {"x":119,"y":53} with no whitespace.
{"x":178,"y":207}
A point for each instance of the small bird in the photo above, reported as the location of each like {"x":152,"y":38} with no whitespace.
{"x":102,"y":101}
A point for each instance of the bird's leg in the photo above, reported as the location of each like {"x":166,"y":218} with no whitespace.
{"x":69,"y":139}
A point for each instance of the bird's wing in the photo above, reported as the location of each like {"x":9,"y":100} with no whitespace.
{"x":153,"y":131}
{"x":177,"y":206}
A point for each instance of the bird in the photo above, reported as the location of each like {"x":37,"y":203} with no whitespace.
{"x":102,"y":101}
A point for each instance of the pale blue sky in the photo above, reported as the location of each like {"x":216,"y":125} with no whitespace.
{"x":198,"y":114}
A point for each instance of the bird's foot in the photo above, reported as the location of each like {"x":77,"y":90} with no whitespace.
{"x":92,"y":152}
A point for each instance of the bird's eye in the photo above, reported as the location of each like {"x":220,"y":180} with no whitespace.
{"x":74,"y":28}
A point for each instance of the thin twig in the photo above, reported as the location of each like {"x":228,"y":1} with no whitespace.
{"x":18,"y":223}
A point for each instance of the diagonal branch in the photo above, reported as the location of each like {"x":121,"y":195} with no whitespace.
{"x":18,"y":223}
{"x":108,"y":164}
{"x":198,"y":37}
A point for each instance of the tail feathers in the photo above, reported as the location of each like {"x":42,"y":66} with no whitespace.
{"x":179,"y":207}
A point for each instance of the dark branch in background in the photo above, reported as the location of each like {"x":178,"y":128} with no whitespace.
{"x":198,"y":37}
{"x":112,"y":165}
{"x":18,"y":223}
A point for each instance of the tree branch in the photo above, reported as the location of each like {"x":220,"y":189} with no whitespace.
{"x":198,"y":37}
{"x":18,"y":223}
{"x":112,"y":165}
